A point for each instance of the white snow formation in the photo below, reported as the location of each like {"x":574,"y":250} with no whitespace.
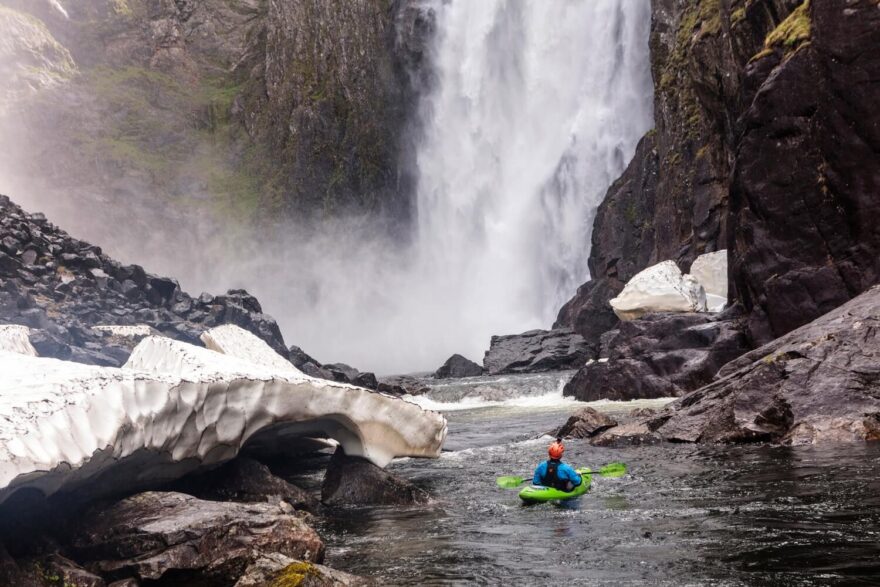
{"x":136,"y":331}
{"x":175,"y":408}
{"x":238,"y":342}
{"x":711,"y":271}
{"x":659,"y":288}
{"x":15,"y":339}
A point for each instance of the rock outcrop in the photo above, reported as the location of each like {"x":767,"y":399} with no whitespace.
{"x":585,"y":423}
{"x":61,"y":287}
{"x":277,"y":570}
{"x":458,"y":366}
{"x":818,"y":383}
{"x":352,"y":481}
{"x":659,"y":355}
{"x":175,"y":408}
{"x":535,"y":351}
{"x":172,"y":536}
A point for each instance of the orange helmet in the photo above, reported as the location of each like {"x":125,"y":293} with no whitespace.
{"x":556,"y":449}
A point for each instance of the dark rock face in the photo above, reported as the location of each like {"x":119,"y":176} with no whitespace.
{"x":402,"y":385}
{"x":248,"y":481}
{"x":331,"y":95}
{"x":699,"y":57}
{"x":819,"y":383}
{"x":535,"y":351}
{"x":805,"y":206}
{"x":458,"y":366}
{"x":70,"y":286}
{"x":355,"y":481}
{"x":585,"y":423}
{"x":163,"y":535}
{"x":660,"y":355}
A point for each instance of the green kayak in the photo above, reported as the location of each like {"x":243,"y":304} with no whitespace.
{"x":539,"y":493}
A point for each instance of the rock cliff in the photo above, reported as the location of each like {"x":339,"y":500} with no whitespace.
{"x":765,"y":144}
{"x":241,"y":109}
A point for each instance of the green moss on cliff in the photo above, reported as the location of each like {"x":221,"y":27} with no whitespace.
{"x":791,"y":33}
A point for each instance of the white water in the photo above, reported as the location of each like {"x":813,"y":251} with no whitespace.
{"x":537,"y":108}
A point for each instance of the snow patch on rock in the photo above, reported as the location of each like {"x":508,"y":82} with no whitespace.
{"x":136,"y":331}
{"x":659,"y":288}
{"x":175,"y":408}
{"x":711,"y":271}
{"x":15,"y":339}
{"x":238,"y":342}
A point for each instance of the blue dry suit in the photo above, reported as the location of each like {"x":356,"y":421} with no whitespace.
{"x":565,"y":479}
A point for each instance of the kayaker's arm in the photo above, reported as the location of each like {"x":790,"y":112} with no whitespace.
{"x":540,"y":471}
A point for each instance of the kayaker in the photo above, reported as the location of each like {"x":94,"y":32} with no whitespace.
{"x":554,"y":473}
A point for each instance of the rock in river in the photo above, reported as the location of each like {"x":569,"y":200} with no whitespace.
{"x":458,"y":366}
{"x":535,"y":351}
{"x":356,"y":481}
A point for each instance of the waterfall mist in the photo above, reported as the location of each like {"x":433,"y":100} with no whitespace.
{"x":536,"y":107}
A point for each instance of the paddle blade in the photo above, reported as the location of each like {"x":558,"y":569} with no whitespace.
{"x":613,"y":470}
{"x":509,"y":482}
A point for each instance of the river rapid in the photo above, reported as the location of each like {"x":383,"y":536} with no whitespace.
{"x":683,"y":515}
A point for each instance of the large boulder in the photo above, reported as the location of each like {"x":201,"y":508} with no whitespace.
{"x":535,"y":351}
{"x":659,"y":288}
{"x":585,"y":423}
{"x":458,"y":366}
{"x":355,"y":481}
{"x":248,"y":481}
{"x":819,"y":383}
{"x":659,"y":355}
{"x":155,"y":535}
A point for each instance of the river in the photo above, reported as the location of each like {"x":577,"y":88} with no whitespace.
{"x":683,"y":515}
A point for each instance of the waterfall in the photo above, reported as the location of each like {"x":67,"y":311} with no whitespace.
{"x":537,"y":108}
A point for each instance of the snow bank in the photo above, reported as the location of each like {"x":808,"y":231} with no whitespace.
{"x":238,"y":342}
{"x":711,"y":271}
{"x":659,"y":288}
{"x":136,"y":331}
{"x":175,"y":408}
{"x":14,"y":339}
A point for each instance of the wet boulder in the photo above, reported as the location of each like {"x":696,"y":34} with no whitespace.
{"x":585,"y":423}
{"x":248,"y":481}
{"x":402,"y":385}
{"x":156,"y":535}
{"x":355,"y":481}
{"x":277,"y":570}
{"x":819,"y":383}
{"x":456,"y":367}
{"x":631,"y":434}
{"x":660,"y":355}
{"x":537,"y":350}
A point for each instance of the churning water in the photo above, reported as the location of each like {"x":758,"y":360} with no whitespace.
{"x":683,"y":515}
